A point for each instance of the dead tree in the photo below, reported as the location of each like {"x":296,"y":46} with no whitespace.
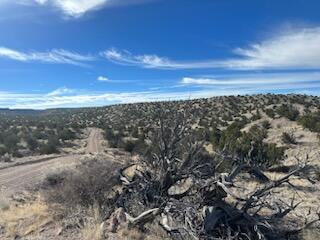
{"x":202,"y":209}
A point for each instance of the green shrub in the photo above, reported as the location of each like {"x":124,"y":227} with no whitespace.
{"x":10,"y":141}
{"x":32,"y":143}
{"x":288,"y":138}
{"x":114,"y":139}
{"x":66,"y":134}
{"x":229,"y":136}
{"x":256,"y":116}
{"x":50,"y":147}
{"x":250,"y":146}
{"x":135,"y":132}
{"x":270,"y":112}
{"x":273,"y":153}
{"x":311,"y":121}
{"x":215,"y":135}
{"x":266,"y":124}
{"x":3,"y":150}
{"x":288,"y":111}
{"x":129,"y":145}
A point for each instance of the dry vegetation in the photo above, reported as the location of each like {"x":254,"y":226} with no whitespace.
{"x":238,"y":167}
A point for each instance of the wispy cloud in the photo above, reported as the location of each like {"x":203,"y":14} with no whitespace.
{"x":72,"y":8}
{"x":54,"y":56}
{"x":125,"y":57}
{"x":44,"y":101}
{"x":77,"y":8}
{"x":103,"y":79}
{"x":254,"y":79}
{"x":190,"y":88}
{"x":294,"y":49}
{"x":63,"y":91}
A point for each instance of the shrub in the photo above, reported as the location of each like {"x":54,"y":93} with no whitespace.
{"x":226,"y":117}
{"x":114,"y":139}
{"x":270,"y":113}
{"x":288,"y":138}
{"x":50,"y":147}
{"x":39,"y":134}
{"x":11,"y":141}
{"x":55,"y":178}
{"x":89,"y":184}
{"x":32,"y":143}
{"x":273,"y":154}
{"x":256,"y":116}
{"x":311,"y":121}
{"x":230,"y":135}
{"x":215,"y":135}
{"x":66,"y":134}
{"x":3,"y":150}
{"x":288,"y":111}
{"x":266,"y":124}
{"x":250,"y":147}
{"x":129,"y":145}
{"x":135,"y":132}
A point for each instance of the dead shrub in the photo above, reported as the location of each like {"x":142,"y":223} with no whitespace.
{"x":88,"y":185}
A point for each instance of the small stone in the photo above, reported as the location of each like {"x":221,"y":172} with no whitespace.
{"x":181,"y":187}
{"x":59,"y":231}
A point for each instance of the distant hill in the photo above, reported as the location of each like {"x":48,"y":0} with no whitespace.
{"x":7,"y":111}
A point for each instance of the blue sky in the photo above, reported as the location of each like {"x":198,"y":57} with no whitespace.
{"x":76,"y":53}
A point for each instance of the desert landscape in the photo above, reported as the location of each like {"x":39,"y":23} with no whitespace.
{"x":159,"y":120}
{"x":230,"y":167}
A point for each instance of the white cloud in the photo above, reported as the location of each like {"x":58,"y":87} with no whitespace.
{"x":103,"y":79}
{"x":41,"y":1}
{"x":64,"y":97}
{"x":61,"y":92}
{"x":53,"y":56}
{"x":294,"y":49}
{"x":254,"y":79}
{"x":76,"y":8}
{"x":146,"y":61}
{"x":43,"y":101}
{"x":72,"y":8}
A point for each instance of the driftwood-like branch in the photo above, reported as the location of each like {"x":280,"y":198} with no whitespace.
{"x":143,"y":217}
{"x":274,"y":184}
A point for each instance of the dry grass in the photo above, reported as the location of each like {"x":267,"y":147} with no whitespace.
{"x":92,"y":229}
{"x":25,"y":220}
{"x":156,"y":232}
{"x":310,"y":235}
{"x":131,"y":234}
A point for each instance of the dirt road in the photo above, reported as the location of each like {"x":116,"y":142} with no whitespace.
{"x":94,"y":141}
{"x":18,"y":178}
